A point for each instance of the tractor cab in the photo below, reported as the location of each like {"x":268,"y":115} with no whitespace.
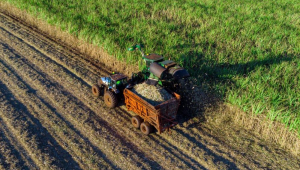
{"x":118,"y":81}
{"x":111,"y":88}
{"x":115,"y":82}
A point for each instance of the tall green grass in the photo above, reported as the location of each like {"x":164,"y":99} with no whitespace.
{"x":246,"y":51}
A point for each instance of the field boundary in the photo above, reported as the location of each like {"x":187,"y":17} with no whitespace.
{"x":89,"y":52}
{"x":272,"y":131}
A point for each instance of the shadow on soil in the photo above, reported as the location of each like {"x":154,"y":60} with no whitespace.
{"x":14,"y":151}
{"x":199,"y":94}
{"x":166,"y":145}
{"x":89,"y":121}
{"x":172,"y":149}
{"x":64,"y":159}
{"x":216,"y":158}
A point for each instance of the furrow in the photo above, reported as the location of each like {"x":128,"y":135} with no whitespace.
{"x":50,"y":48}
{"x":220,"y":148}
{"x":198,"y":149}
{"x":13,"y":140}
{"x":75,"y":145}
{"x":245,"y":157}
{"x":79,"y":115}
{"x":10,"y":158}
{"x":31,"y":136}
{"x":82,"y":90}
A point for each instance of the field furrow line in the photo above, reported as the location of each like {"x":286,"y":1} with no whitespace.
{"x":245,"y":157}
{"x":198,"y":147}
{"x":50,"y":48}
{"x":10,"y":158}
{"x":80,"y":116}
{"x":221,"y":148}
{"x":74,"y":144}
{"x":62,"y":76}
{"x":28,"y":132}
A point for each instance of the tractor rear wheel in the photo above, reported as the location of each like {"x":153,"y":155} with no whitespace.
{"x":146,"y":128}
{"x":110,"y":99}
{"x":136,"y":121}
{"x":96,"y":90}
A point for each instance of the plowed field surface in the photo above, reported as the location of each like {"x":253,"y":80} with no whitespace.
{"x":50,"y":120}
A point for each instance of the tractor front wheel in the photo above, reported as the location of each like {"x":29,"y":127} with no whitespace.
{"x":110,"y":99}
{"x":96,"y":90}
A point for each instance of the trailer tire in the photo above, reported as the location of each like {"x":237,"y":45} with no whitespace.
{"x":110,"y":99}
{"x":136,"y":121}
{"x":146,"y":128}
{"x":96,"y":90}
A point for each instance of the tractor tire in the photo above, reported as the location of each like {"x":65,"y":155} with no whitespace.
{"x":110,"y":99}
{"x":96,"y":90}
{"x":146,"y":128}
{"x":136,"y":121}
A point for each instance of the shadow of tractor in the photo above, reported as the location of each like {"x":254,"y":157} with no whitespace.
{"x":203,"y":89}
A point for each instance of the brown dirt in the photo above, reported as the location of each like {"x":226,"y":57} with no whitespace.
{"x":50,"y":119}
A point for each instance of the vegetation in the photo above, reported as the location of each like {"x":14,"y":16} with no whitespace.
{"x":247,"y":52}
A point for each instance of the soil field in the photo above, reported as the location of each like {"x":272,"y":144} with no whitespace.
{"x":50,"y":120}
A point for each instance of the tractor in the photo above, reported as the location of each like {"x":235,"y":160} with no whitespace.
{"x":111,"y":88}
{"x":165,"y":73}
{"x":159,"y":71}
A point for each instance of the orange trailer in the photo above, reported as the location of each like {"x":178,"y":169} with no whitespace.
{"x":161,"y":117}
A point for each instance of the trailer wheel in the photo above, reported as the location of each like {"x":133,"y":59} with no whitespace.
{"x":110,"y":99}
{"x":136,"y":121}
{"x":96,"y":90}
{"x":146,"y":128}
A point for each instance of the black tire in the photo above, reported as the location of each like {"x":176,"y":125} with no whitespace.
{"x":146,"y":128}
{"x":96,"y":90}
{"x":136,"y":121}
{"x":110,"y":99}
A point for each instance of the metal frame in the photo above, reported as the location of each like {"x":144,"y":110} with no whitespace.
{"x":157,"y":116}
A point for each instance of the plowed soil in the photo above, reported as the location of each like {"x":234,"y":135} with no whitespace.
{"x":49,"y":119}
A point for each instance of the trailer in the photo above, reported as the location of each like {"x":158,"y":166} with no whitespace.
{"x":162,"y":117}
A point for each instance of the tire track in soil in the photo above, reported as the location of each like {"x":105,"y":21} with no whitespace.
{"x":220,"y":147}
{"x":10,"y":157}
{"x":31,"y":135}
{"x":25,"y":157}
{"x":254,"y":161}
{"x":48,"y":47}
{"x":72,"y":141}
{"x":59,"y":98}
{"x":179,"y":156}
{"x":203,"y":149}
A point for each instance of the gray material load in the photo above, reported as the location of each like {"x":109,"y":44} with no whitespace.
{"x":154,"y":95}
